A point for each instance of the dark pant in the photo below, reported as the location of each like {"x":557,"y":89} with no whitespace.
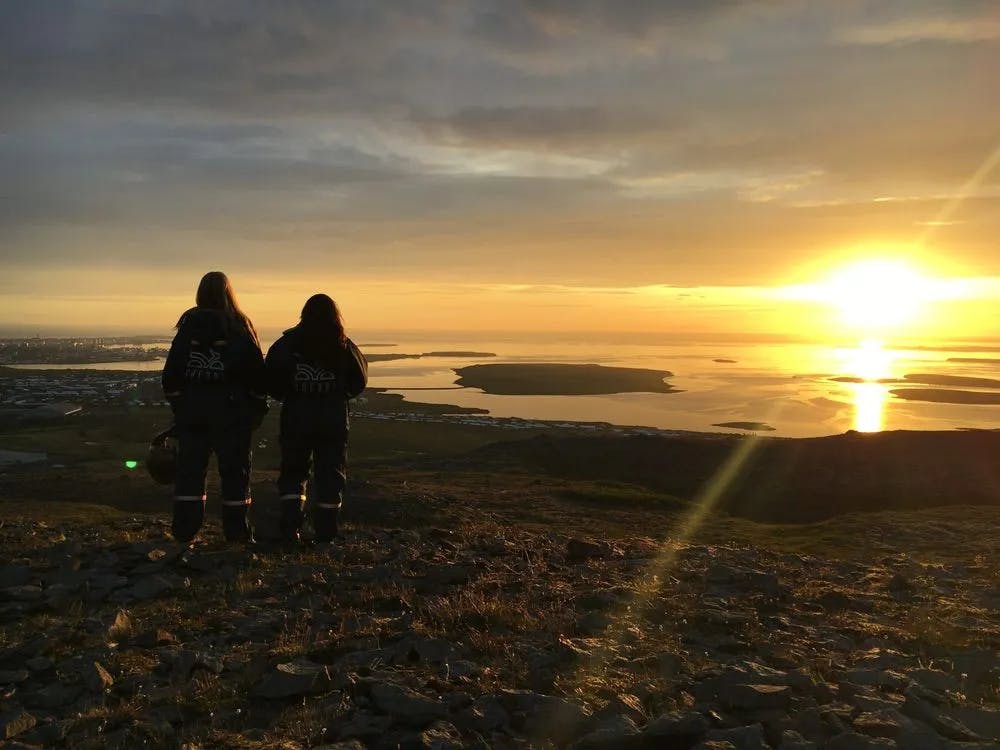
{"x":298,"y":453}
{"x":233,"y":448}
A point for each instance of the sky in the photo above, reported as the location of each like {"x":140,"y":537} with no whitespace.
{"x":640,"y":165}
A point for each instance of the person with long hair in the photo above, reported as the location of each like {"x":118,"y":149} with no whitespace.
{"x":215,"y":382}
{"x":314,"y":369}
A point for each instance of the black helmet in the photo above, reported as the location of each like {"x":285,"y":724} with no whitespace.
{"x":162,"y":460}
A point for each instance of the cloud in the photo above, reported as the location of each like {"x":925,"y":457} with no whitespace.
{"x":591,"y":142}
{"x":909,"y":31}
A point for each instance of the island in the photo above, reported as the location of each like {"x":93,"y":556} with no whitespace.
{"x":556,"y":379}
{"x":959,"y":381}
{"x":753,"y":426}
{"x":395,"y":356}
{"x":946,"y":396}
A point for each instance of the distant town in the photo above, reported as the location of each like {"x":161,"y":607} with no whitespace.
{"x":81,"y":351}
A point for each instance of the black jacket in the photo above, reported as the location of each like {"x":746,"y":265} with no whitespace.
{"x":214,"y":373}
{"x":291,"y":374}
{"x":314,"y":395}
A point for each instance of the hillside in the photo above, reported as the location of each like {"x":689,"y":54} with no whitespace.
{"x":448,"y":632}
{"x":551,"y":591}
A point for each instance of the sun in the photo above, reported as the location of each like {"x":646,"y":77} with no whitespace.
{"x":884,"y":296}
{"x":877,"y":294}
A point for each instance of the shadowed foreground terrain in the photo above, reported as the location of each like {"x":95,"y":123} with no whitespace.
{"x":547,"y":592}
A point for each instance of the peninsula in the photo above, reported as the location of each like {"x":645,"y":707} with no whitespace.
{"x":548,"y":379}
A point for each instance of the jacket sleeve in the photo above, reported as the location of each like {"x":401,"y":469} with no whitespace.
{"x":173,"y":369}
{"x":356,"y":370}
{"x":278,"y":369}
{"x":256,"y":379}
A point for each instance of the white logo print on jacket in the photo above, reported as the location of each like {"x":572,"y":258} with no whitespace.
{"x":204,"y":366}
{"x":309,"y":379}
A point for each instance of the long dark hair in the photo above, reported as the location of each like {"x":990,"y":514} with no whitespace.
{"x":322,"y":327}
{"x":215,"y":292}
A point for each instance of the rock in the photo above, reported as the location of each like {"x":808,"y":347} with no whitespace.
{"x":484,"y":716}
{"x":457,"y":701}
{"x":103,"y":582}
{"x":97,"y":678}
{"x":544,"y":716}
{"x":981,"y":720}
{"x":900,"y":586}
{"x":855,"y":741}
{"x":919,"y":737}
{"x":881,"y":723}
{"x":448,"y":575}
{"x":121,"y":626}
{"x":752,"y":673}
{"x":48,"y":734}
{"x":935,"y":679}
{"x":936,"y":718}
{"x":838,"y":601}
{"x":461,"y":669}
{"x":766,"y":583}
{"x":675,"y":728}
{"x":578,"y":550}
{"x":593,"y":623}
{"x":669,"y":664}
{"x":293,"y":679}
{"x":56,"y":695}
{"x":614,"y":732}
{"x":754,"y":697}
{"x":364,"y":726}
{"x":742,"y":738}
{"x":39,"y":663}
{"x":154,"y":639}
{"x":24,"y":593}
{"x":975,"y":664}
{"x":875,"y":678}
{"x":184,"y":662}
{"x":624,"y":704}
{"x":151,"y":587}
{"x":14,"y":575}
{"x":417,"y":648}
{"x":866,"y":703}
{"x":14,"y":723}
{"x":715,"y":745}
{"x":405,"y":705}
{"x":13,"y":676}
{"x":346,"y":745}
{"x":601,"y":599}
{"x":441,"y":735}
{"x":792,"y":740}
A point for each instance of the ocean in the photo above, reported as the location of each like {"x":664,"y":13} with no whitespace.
{"x":797,"y":389}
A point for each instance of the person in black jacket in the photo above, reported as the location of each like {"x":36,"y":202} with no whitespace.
{"x":314,"y":369}
{"x":215,"y":382}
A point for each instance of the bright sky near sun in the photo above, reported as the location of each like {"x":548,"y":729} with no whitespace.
{"x":819,"y":169}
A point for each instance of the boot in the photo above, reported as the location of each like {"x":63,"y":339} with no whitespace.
{"x":292,"y":516}
{"x":325,"y":521}
{"x":189,"y":513}
{"x":235,"y":522}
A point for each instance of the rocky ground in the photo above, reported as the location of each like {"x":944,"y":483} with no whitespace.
{"x":491,"y":634}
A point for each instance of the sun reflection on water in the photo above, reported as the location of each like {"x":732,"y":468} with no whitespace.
{"x":869,"y":406}
{"x":870,"y":363}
